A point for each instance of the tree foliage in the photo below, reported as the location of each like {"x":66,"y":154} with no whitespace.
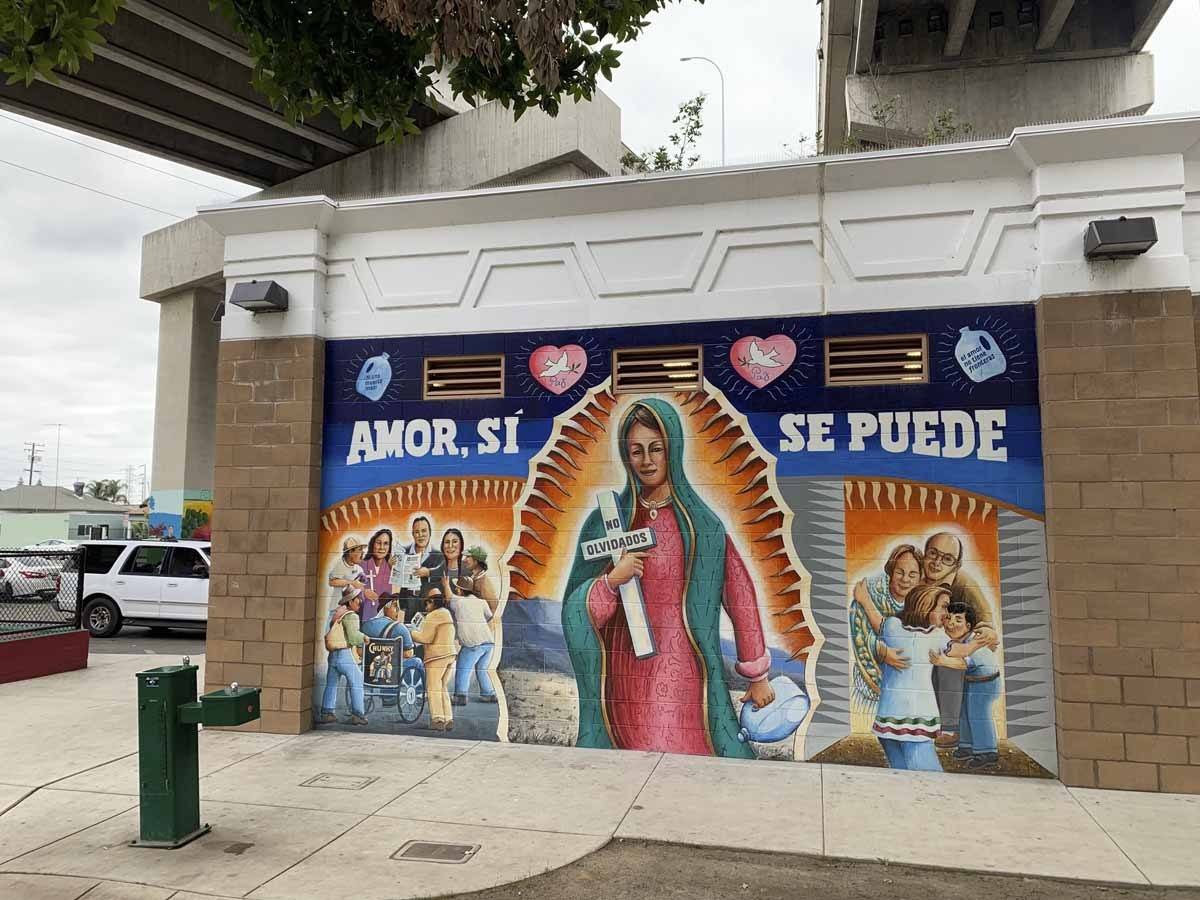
{"x":369,"y":61}
{"x":40,"y":37}
{"x":109,"y":489}
{"x":945,"y":126}
{"x":689,"y":125}
{"x":884,"y":112}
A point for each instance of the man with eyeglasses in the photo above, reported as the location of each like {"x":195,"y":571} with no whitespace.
{"x":942,"y":564}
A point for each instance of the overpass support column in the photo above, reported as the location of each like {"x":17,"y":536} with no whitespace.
{"x":185,"y":414}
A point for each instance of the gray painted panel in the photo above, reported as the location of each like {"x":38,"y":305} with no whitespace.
{"x":819,"y":535}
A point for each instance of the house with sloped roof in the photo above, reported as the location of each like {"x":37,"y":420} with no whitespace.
{"x":32,"y":513}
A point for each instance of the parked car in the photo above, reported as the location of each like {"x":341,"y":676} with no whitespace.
{"x":163,"y":584}
{"x":27,"y":579}
{"x":51,"y":544}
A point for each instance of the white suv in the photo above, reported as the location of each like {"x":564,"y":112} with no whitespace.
{"x":163,"y":584}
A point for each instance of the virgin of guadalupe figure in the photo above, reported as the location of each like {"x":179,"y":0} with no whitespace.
{"x":676,"y":700}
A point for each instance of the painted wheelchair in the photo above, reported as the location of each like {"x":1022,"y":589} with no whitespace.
{"x":388,"y":673}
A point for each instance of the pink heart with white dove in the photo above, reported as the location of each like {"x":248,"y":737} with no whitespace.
{"x":557,"y":369}
{"x":761,"y":360}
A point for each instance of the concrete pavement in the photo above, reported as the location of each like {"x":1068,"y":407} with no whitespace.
{"x":324,"y":813}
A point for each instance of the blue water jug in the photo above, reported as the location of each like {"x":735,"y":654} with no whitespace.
{"x":778,"y":719}
{"x":979,"y":356}
{"x":374,"y":377}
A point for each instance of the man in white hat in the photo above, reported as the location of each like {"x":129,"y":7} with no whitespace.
{"x":347,"y":577}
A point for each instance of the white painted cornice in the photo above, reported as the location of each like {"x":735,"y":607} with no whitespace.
{"x":986,"y":222}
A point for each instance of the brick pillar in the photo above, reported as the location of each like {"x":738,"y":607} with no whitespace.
{"x":1121,"y":434}
{"x":266,"y":501}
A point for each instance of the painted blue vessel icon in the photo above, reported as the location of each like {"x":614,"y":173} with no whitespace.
{"x":979,"y":356}
{"x":778,"y":719}
{"x":374,"y":377}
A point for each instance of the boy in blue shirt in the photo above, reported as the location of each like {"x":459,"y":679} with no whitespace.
{"x":981,"y":687}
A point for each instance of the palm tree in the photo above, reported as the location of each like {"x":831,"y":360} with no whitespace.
{"x":109,"y":489}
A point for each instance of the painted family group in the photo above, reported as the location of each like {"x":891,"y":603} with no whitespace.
{"x":439,"y":601}
{"x":925,"y":657}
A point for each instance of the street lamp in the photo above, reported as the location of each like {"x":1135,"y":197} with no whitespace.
{"x":722,"y":75}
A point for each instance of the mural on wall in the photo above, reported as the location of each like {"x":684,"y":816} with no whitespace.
{"x":668,"y":578}
{"x":195,"y":523}
{"x":184,"y":515}
{"x":761,"y":567}
{"x":911,"y":695}
{"x":410,"y":579}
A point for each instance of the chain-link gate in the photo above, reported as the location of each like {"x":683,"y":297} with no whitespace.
{"x":40,"y":591}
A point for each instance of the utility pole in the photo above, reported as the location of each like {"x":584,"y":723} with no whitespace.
{"x":34,"y":450}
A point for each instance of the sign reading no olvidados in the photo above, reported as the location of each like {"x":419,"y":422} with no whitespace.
{"x":638,"y":539}
{"x":616,"y":541}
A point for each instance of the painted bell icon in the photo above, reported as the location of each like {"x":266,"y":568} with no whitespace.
{"x":978,"y":355}
{"x":374,"y":377}
{"x":779,"y":718}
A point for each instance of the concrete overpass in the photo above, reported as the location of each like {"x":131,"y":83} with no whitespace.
{"x":998,"y":64}
{"x":174,"y":80}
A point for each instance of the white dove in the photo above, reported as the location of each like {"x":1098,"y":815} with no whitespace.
{"x":766,"y":360}
{"x":559,"y":366}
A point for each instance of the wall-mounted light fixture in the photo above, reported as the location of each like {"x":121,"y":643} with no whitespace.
{"x":1027,"y":12}
{"x":1119,"y":238}
{"x":936,"y":22}
{"x":260,"y":296}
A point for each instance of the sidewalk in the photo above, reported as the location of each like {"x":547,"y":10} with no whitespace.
{"x":68,"y":807}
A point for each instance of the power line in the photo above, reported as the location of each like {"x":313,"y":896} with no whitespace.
{"x":132,"y":162}
{"x":84,"y":187}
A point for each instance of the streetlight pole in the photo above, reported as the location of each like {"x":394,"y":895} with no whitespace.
{"x":57,"y":458}
{"x":722,"y":76}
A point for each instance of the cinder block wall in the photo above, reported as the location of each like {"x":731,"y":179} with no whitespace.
{"x":266,"y":501}
{"x":1121,"y":437}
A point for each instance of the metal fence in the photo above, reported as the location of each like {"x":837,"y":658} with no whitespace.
{"x":40,"y":591}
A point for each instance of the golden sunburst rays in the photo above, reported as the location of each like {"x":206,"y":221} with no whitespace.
{"x":884,"y":494}
{"x":755,"y":513}
{"x":558,"y":494}
{"x":461,"y":494}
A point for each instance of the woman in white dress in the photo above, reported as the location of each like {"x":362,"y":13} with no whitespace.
{"x":906,"y":720}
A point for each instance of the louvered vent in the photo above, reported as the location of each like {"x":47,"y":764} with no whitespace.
{"x":457,"y":377}
{"x":646,"y":369}
{"x":877,"y":359}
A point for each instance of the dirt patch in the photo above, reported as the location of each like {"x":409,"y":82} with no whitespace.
{"x":864,"y":750}
{"x":543,"y":707}
{"x":633,"y":870}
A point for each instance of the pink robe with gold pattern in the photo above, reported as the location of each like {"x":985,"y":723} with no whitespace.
{"x":658,"y":703}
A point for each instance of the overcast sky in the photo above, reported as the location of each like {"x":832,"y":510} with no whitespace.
{"x":80,"y":348}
